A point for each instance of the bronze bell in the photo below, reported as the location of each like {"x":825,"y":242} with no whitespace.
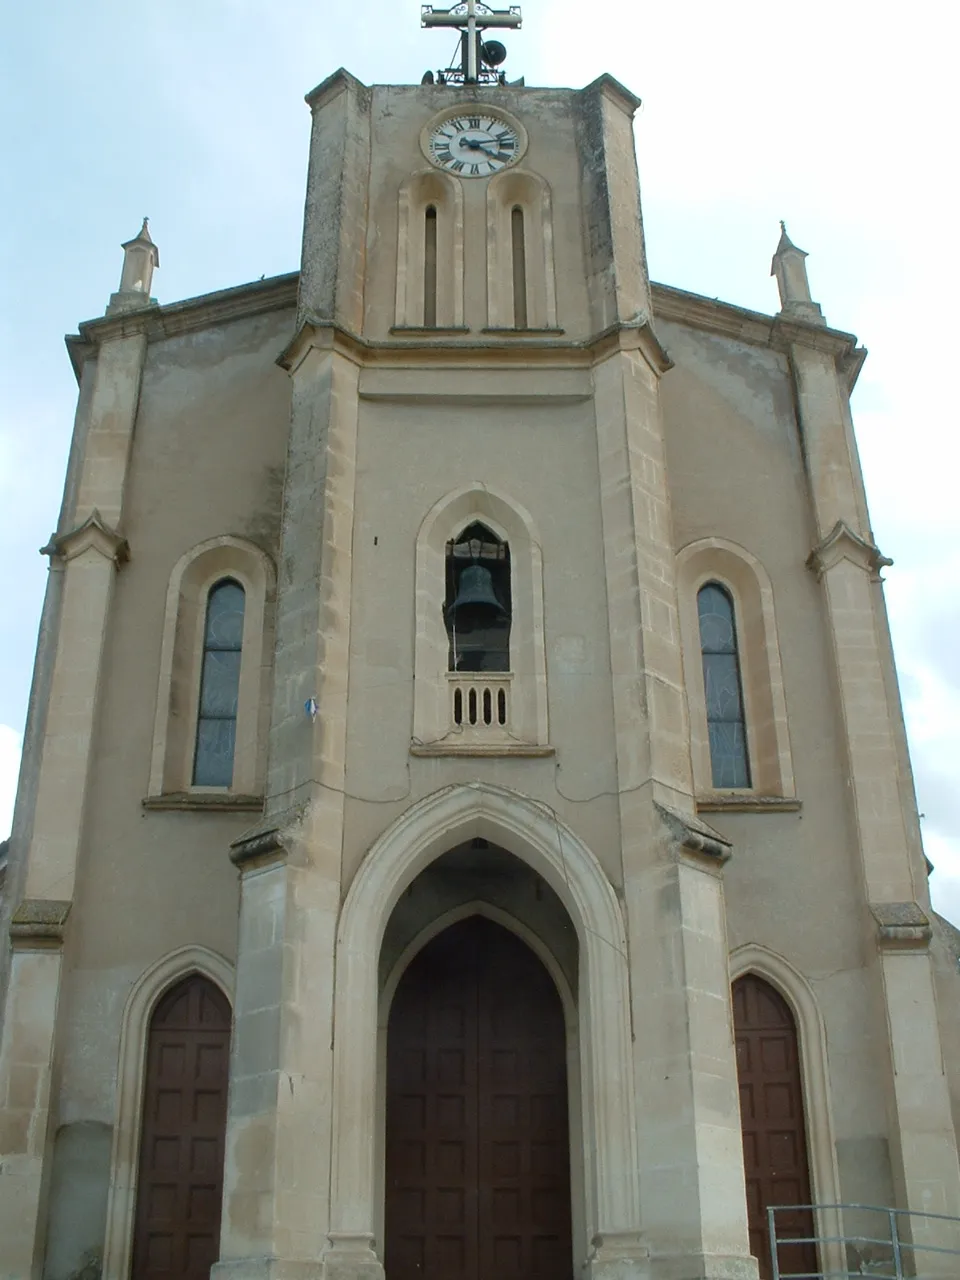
{"x":475,"y":597}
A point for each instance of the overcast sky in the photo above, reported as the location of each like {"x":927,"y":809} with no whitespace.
{"x":840,"y":118}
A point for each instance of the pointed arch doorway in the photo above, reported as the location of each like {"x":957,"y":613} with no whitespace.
{"x":774,"y":1125}
{"x":477,"y":1131}
{"x":180,"y":1180}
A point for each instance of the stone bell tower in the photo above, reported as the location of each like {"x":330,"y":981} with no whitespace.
{"x":473,"y":273}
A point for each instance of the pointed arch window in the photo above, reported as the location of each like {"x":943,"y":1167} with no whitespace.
{"x":477,"y":607}
{"x":219,"y":686}
{"x":519,"y":248}
{"x":723,"y":687}
{"x":430,"y":267}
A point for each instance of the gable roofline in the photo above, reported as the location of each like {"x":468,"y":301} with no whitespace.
{"x":278,"y":293}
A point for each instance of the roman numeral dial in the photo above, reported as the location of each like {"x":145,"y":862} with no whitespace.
{"x":473,"y":145}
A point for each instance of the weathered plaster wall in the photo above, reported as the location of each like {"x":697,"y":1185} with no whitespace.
{"x":207,"y":460}
{"x":544,"y":455}
{"x":736,"y":472}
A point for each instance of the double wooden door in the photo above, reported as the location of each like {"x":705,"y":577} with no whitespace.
{"x":477,"y":1147}
{"x":180,"y":1183}
{"x":774,"y":1130}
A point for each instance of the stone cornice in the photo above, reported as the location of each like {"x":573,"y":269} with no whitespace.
{"x":339,"y":82}
{"x":694,"y":836}
{"x":901,"y":926}
{"x":777,"y":332}
{"x":39,"y":923}
{"x":841,"y":543}
{"x":677,"y":305}
{"x":318,"y":333}
{"x":93,"y":533}
{"x":611,"y":88}
{"x":189,"y":316}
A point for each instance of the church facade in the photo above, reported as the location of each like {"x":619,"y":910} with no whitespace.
{"x":466,"y":826}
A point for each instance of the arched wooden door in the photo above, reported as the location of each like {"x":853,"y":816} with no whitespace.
{"x":180,"y":1183}
{"x":774,"y":1129}
{"x":477,"y":1149}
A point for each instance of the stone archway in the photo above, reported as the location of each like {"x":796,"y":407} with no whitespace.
{"x":144,"y":997}
{"x":533,"y":833}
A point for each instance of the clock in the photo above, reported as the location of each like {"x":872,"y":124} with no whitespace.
{"x":473,"y":142}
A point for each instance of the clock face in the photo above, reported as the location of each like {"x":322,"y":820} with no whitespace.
{"x":473,"y":146}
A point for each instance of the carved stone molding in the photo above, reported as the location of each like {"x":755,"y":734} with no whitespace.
{"x":258,"y":847}
{"x":745,"y":802}
{"x":694,"y":836}
{"x":841,"y":543}
{"x":484,"y":348}
{"x":39,"y":922}
{"x":351,"y":1257}
{"x":618,"y":1255}
{"x":901,"y":925}
{"x":202,"y":802}
{"x":94,"y":533}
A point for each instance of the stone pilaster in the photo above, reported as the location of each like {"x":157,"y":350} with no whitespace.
{"x":617,"y":281}
{"x":276,"y":1209}
{"x":690,"y":1145}
{"x":87,"y":555}
{"x":335,"y":217}
{"x":847,"y":563}
{"x":276,"y":1183}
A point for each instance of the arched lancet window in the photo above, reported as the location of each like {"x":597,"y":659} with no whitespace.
{"x":730,"y":765}
{"x":430,"y":268}
{"x":219,"y":686}
{"x":519,"y":245}
{"x":477,"y":607}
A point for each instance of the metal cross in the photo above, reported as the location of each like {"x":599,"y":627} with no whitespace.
{"x":465,"y":18}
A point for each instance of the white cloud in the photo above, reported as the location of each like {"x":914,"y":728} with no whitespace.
{"x":9,"y":767}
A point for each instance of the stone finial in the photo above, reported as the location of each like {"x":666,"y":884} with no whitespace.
{"x":789,"y":267}
{"x":140,"y":258}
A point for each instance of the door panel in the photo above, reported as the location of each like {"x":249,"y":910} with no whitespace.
{"x":774,"y":1129}
{"x":478,"y":1182}
{"x":180,"y":1183}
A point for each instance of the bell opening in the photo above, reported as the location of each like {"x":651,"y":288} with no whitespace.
{"x":477,"y":608}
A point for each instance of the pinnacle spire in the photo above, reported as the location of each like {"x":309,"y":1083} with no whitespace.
{"x":790,"y":269}
{"x":785,"y":242}
{"x":140,"y":259}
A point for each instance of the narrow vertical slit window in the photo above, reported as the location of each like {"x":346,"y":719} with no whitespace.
{"x":518,"y":238}
{"x":723,"y":687}
{"x":430,"y":269}
{"x":219,"y":686}
{"x":519,"y":255}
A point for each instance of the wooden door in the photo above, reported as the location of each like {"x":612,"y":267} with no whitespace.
{"x":774,"y":1129}
{"x":477,"y":1151}
{"x":180,"y":1184}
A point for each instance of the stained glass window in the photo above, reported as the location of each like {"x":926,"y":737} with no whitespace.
{"x":730,"y":765}
{"x":219,"y":686}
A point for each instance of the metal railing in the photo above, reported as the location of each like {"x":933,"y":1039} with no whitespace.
{"x":893,"y":1244}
